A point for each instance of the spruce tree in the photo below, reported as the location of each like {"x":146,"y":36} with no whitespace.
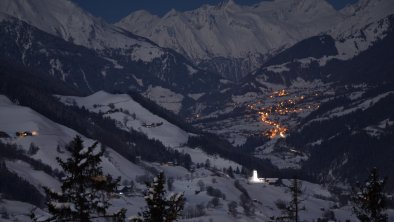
{"x":85,"y":192}
{"x":159,"y":208}
{"x":294,"y":206}
{"x":247,"y":204}
{"x":232,"y":208}
{"x":368,"y":199}
{"x":291,"y":209}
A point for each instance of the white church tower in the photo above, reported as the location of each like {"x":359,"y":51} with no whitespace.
{"x":255,"y":179}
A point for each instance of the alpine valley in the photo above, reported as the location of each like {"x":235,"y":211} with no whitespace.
{"x":285,"y":87}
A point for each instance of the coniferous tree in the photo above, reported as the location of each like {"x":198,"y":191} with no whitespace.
{"x":368,"y":200}
{"x":294,"y":206}
{"x":230,"y":172}
{"x":232,"y":208}
{"x":85,"y":192}
{"x":247,"y":204}
{"x":159,"y":208}
{"x":291,"y":209}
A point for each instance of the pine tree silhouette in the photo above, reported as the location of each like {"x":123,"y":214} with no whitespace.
{"x":159,"y":208}
{"x":85,"y":192}
{"x":291,"y":209}
{"x":368,"y":199}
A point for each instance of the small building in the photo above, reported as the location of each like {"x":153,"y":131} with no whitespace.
{"x":124,"y":190}
{"x":152,"y":125}
{"x":256,"y":179}
{"x":26,"y":133}
{"x":23,"y":133}
{"x":271,"y":180}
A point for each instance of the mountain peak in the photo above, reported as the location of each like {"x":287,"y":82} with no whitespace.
{"x":228,"y":4}
{"x":171,"y":13}
{"x":48,"y":15}
{"x":300,"y":6}
{"x":141,"y":16}
{"x":141,"y":12}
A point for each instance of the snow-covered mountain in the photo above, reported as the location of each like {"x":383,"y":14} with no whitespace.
{"x":362,"y":13}
{"x":66,"y":20}
{"x":231,"y":30}
{"x":235,"y":32}
{"x":91,"y":55}
{"x":346,"y":57}
{"x":234,"y":40}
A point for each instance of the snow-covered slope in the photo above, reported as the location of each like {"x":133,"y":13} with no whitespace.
{"x":49,"y":136}
{"x":131,"y":115}
{"x":365,"y":23}
{"x":136,"y":117}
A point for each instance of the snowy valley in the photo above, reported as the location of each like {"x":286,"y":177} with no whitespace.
{"x":51,"y":139}
{"x":291,"y":89}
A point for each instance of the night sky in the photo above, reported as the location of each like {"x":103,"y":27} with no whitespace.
{"x":113,"y":11}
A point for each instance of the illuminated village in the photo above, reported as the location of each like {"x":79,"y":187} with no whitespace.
{"x":284,"y":105}
{"x":271,"y":114}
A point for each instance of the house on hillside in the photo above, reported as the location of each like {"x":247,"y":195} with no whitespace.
{"x":256,"y":179}
{"x":26,"y":133}
{"x":152,"y":125}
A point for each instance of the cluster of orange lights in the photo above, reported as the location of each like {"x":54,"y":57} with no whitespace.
{"x":279,"y":93}
{"x":26,"y":133}
{"x":283,"y":107}
{"x":277,"y":129}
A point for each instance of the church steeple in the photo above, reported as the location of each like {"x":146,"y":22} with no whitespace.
{"x":255,"y":178}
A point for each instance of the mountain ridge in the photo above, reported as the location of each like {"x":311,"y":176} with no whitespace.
{"x":210,"y":36}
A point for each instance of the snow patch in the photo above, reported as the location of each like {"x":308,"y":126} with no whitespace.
{"x":196,"y":96}
{"x":115,"y":63}
{"x":146,"y":54}
{"x":191,"y":70}
{"x":278,"y":68}
{"x":165,"y":97}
